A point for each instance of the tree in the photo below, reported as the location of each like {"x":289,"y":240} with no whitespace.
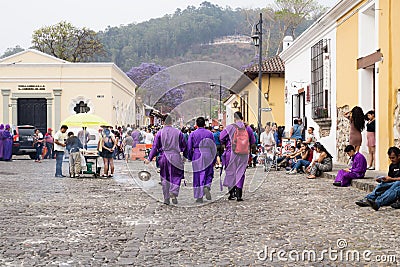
{"x":67,"y":42}
{"x":11,"y":51}
{"x":153,"y":82}
{"x":289,"y":14}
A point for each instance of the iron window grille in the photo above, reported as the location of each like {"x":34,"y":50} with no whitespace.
{"x":320,"y":79}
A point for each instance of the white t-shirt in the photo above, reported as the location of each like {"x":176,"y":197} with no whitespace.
{"x":313,"y":139}
{"x":267,"y":138}
{"x":149,"y":138}
{"x":60,"y":137}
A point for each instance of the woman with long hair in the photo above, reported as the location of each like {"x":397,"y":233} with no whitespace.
{"x":371,"y":139}
{"x":322,"y":164}
{"x":108,"y":147}
{"x":357,"y":125}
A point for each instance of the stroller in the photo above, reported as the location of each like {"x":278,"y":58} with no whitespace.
{"x":268,"y":157}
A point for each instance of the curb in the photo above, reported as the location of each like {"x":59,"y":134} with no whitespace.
{"x":367,"y":183}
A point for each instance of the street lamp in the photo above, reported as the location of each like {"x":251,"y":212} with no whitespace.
{"x":257,"y":41}
{"x":212,"y":86}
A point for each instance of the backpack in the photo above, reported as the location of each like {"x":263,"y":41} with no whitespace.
{"x":240,"y":141}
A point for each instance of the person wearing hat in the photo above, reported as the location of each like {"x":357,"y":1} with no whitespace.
{"x":7,"y":143}
{"x":49,"y":141}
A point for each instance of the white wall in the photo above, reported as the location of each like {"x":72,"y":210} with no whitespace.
{"x":298,"y":72}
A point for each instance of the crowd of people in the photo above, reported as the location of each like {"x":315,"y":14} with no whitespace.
{"x":210,"y":148}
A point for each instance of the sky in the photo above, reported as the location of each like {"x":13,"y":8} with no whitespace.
{"x":19,"y":19}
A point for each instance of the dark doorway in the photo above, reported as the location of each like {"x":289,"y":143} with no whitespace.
{"x":33,"y":111}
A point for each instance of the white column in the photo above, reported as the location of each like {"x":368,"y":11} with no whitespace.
{"x":57,"y":107}
{"x":50,"y":112}
{"x":6,"y":113}
{"x":14,"y":110}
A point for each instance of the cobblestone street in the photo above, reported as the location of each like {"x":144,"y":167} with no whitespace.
{"x":92,"y":222}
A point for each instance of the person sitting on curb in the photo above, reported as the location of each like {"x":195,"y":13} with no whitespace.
{"x":388,"y":189}
{"x":306,"y":158}
{"x":322,"y":164}
{"x":287,"y":158}
{"x":357,"y":170}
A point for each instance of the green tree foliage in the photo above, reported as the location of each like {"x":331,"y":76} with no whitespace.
{"x":67,"y":42}
{"x":12,"y":50}
{"x":171,"y":36}
{"x":186,"y":34}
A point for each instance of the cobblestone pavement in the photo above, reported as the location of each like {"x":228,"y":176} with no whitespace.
{"x":112,"y":222}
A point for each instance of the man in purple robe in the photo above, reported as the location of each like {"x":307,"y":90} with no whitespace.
{"x":169,"y":142}
{"x":235,"y":164}
{"x":1,"y":141}
{"x":136,"y":137}
{"x":7,"y":143}
{"x":357,"y":170}
{"x":202,"y":152}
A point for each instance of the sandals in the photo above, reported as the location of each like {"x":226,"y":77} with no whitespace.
{"x":311,"y":177}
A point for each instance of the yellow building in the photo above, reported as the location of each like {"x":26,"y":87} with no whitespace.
{"x":41,"y":90}
{"x":368,"y":67}
{"x":245,"y":97}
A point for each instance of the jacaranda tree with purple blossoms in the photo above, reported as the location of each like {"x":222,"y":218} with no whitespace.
{"x":153,"y":86}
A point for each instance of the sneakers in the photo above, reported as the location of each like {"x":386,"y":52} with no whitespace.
{"x":292,"y":172}
{"x":362,"y":203}
{"x":199,"y":200}
{"x":207,"y":192}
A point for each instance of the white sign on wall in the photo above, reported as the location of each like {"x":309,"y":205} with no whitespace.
{"x":327,"y":71}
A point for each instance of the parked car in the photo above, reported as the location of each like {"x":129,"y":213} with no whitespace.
{"x":23,"y":140}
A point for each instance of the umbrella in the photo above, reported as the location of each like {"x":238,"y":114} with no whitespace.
{"x":84,"y":120}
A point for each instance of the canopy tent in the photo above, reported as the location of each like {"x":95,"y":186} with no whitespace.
{"x":85,"y":120}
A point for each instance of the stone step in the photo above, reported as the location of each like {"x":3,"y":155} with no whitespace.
{"x":367,"y":183}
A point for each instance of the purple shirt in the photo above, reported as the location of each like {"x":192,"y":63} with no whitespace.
{"x":359,"y":165}
{"x":201,"y":149}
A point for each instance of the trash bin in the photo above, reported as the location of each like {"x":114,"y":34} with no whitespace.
{"x":89,"y":168}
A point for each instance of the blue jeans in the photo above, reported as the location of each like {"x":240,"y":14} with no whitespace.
{"x":49,"y":154}
{"x":385,"y":194}
{"x":38,"y":151}
{"x":59,"y":160}
{"x":301,"y":163}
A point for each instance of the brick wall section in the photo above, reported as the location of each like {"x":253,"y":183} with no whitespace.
{"x":343,"y":134}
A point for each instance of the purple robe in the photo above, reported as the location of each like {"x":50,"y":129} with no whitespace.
{"x":357,"y":170}
{"x":135,"y":136}
{"x":169,"y":142}
{"x":202,"y":152}
{"x":7,"y":145}
{"x":235,"y":165}
{"x":1,"y":141}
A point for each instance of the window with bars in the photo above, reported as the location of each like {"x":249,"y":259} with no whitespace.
{"x":320,"y":80}
{"x":81,"y":107}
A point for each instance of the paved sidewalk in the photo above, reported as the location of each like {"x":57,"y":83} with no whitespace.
{"x":48,"y":221}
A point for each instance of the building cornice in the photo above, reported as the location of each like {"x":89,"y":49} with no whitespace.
{"x":326,"y":22}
